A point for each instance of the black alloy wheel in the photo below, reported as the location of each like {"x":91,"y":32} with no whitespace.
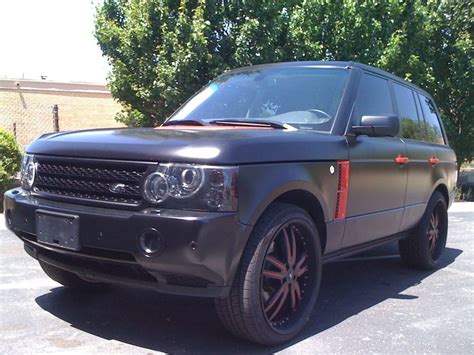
{"x":286,"y":275}
{"x":437,"y":231}
{"x":425,"y":245}
{"x":276,"y":286}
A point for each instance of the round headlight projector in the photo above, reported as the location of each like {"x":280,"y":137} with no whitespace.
{"x":192,"y":187}
{"x":190,"y":179}
{"x":156,"y":187}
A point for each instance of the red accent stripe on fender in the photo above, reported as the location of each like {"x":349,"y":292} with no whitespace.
{"x":342,"y":189}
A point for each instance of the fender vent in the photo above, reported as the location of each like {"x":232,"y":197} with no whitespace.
{"x":342,"y":189}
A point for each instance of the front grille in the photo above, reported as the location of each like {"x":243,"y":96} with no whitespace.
{"x":94,"y":180}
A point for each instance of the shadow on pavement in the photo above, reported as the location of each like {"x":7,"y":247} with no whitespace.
{"x":176,"y":324}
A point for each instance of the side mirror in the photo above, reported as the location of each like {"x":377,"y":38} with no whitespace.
{"x":378,"y":126}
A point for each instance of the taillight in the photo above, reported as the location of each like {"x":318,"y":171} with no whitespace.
{"x":342,"y":189}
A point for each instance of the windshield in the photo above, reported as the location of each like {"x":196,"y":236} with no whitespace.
{"x":305,"y":98}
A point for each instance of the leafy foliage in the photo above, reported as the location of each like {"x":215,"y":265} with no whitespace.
{"x":10,"y":161}
{"x":412,"y":130}
{"x":162,"y":51}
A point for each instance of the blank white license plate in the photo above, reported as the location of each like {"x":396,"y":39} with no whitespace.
{"x":57,"y":229}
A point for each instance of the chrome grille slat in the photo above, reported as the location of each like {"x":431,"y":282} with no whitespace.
{"x":90,"y":179}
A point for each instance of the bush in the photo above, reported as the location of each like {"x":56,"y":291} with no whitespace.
{"x":470,"y":195}
{"x":10,"y":162}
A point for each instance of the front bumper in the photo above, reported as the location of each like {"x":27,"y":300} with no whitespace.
{"x":199,"y":255}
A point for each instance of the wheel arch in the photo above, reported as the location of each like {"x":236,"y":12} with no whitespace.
{"x":443,"y":189}
{"x":297,"y":195}
{"x":308,"y":202}
{"x":294,"y":195}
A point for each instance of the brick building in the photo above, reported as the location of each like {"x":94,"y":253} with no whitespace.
{"x":26,"y":107}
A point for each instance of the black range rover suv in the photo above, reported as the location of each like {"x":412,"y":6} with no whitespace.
{"x":244,"y":192}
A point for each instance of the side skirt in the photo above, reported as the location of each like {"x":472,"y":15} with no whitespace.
{"x":362,"y":247}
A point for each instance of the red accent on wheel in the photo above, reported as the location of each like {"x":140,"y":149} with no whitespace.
{"x":280,"y":296}
{"x":274,"y":275}
{"x":299,"y":268}
{"x":276,"y":263}
{"x":284,"y":274}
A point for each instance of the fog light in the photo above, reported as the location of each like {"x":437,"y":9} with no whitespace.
{"x":150,"y":242}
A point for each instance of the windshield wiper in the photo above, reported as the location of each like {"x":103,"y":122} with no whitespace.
{"x":183,"y":123}
{"x":248,"y":123}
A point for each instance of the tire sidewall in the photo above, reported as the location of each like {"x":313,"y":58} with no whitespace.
{"x":254,"y":272}
{"x":422,"y":232}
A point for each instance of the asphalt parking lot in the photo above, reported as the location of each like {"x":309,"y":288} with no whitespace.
{"x":368,"y":303}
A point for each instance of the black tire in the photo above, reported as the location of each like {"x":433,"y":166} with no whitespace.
{"x":66,"y":278}
{"x":252,"y":310}
{"x":424,"y":247}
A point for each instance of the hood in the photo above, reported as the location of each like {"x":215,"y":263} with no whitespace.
{"x":208,"y":144}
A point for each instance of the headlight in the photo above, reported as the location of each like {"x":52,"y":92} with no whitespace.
{"x":28,"y":172}
{"x":188,"y":186}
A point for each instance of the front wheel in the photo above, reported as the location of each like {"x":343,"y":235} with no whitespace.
{"x":276,"y":286}
{"x":424,"y":247}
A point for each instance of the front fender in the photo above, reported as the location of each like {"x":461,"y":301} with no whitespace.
{"x":260,"y":185}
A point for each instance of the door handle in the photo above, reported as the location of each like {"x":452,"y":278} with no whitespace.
{"x":401,"y":160}
{"x":433,"y":161}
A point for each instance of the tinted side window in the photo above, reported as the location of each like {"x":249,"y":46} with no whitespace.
{"x":433,"y":128}
{"x":411,"y":127}
{"x":373,"y":98}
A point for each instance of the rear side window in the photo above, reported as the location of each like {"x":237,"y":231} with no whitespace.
{"x":410,"y":126}
{"x":373,"y":98}
{"x":433,"y":127}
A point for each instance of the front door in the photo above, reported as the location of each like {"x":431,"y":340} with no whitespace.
{"x":378,"y":170}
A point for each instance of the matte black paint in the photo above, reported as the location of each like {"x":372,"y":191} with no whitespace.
{"x":376,"y":189}
{"x":385,"y":199}
{"x":191,"y":145}
{"x":218,"y":238}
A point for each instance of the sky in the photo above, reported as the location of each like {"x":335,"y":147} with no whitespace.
{"x":52,"y":38}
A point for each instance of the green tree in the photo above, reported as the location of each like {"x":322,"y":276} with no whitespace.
{"x":453,"y":72}
{"x":10,"y":161}
{"x":434,"y":49}
{"x":161,"y":51}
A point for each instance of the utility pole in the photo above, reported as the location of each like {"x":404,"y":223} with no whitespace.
{"x":55,"y":118}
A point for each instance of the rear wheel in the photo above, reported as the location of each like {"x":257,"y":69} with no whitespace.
{"x":423,"y":249}
{"x":276,"y":287}
{"x":66,"y":278}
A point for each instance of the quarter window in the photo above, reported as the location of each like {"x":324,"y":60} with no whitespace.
{"x":433,"y":127}
{"x":411,"y":127}
{"x":373,"y":98}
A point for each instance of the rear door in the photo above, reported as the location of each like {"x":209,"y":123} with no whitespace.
{"x":443,"y":163}
{"x":432,"y":162}
{"x":377,"y":183}
{"x":419,"y":151}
